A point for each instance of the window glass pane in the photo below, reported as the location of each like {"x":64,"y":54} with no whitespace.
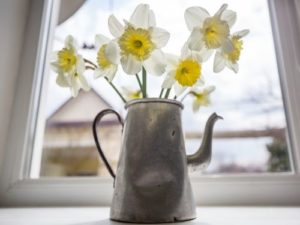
{"x":250,"y":139}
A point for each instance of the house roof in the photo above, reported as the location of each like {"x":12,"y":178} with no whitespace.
{"x":80,"y":110}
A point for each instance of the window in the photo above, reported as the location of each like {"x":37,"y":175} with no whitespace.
{"x":18,"y":187}
{"x":252,"y":137}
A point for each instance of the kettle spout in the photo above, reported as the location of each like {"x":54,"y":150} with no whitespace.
{"x":201,"y":158}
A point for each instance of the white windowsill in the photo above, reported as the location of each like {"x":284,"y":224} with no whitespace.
{"x":100,"y":216}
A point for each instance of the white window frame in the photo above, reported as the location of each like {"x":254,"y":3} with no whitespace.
{"x":16,"y":189}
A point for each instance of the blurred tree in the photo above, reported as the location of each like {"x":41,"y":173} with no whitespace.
{"x":279,"y":159}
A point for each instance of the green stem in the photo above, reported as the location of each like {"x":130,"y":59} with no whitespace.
{"x":115,"y":88}
{"x":185,"y":96}
{"x":144,"y":73}
{"x":139,"y":81}
{"x":167,"y":93}
{"x":161,"y":93}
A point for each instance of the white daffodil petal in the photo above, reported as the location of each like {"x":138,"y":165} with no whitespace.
{"x":195,"y":89}
{"x":241,"y":33}
{"x":160,"y":37}
{"x":221,"y":10}
{"x":126,"y":91}
{"x":195,"y":41}
{"x":98,"y":73}
{"x":233,"y":66}
{"x":229,"y":16}
{"x":112,"y":72}
{"x":130,"y":65}
{"x":185,"y":51}
{"x":169,"y":80}
{"x":152,"y":20}
{"x":54,"y":56}
{"x":83,"y":83}
{"x":210,"y":89}
{"x":219,"y":62}
{"x":107,"y":72}
{"x":205,"y":53}
{"x":227,"y":45}
{"x":126,"y":23}
{"x":101,"y":40}
{"x":200,"y":82}
{"x":195,"y":56}
{"x":62,"y":81}
{"x":70,"y":42}
{"x":112,"y":52}
{"x":171,"y":61}
{"x":80,"y":65}
{"x":178,"y":89}
{"x":196,"y":105}
{"x":115,"y":27}
{"x":155,"y":64}
{"x":74,"y":92}
{"x":195,"y":16}
{"x":55,"y":67}
{"x":74,"y":87}
{"x":141,"y":16}
{"x":101,"y":73}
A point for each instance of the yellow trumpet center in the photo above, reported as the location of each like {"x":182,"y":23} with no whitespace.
{"x":102,"y":60}
{"x":135,"y":95}
{"x":136,"y":42}
{"x":234,"y":55}
{"x":214,"y":31}
{"x":202,"y":98}
{"x":66,"y":59}
{"x":188,"y":72}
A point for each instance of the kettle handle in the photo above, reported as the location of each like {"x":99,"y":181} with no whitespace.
{"x":96,"y":120}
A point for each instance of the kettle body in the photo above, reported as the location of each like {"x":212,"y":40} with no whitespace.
{"x":151,"y":182}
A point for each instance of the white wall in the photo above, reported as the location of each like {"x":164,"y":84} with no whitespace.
{"x":13,"y":17}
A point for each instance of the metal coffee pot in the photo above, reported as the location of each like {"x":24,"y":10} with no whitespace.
{"x":151,"y":182}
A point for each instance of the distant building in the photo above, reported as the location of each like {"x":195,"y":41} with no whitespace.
{"x":69,"y":148}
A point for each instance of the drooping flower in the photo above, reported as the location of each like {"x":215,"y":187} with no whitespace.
{"x":183,"y":71}
{"x":139,"y":41}
{"x":230,"y":59}
{"x":69,"y":66}
{"x":209,"y":32}
{"x":106,"y":67}
{"x":130,"y":95}
{"x":201,"y":97}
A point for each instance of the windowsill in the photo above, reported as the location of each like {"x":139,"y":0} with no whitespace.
{"x":100,"y":216}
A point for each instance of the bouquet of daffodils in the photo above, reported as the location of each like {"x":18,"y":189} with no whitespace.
{"x":136,"y":46}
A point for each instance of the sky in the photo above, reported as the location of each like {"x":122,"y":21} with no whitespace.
{"x":250,"y":99}
{"x":242,"y":99}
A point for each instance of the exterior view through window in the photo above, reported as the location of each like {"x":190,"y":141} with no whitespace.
{"x":252,"y":138}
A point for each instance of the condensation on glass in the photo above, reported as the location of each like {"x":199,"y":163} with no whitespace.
{"x":250,"y":139}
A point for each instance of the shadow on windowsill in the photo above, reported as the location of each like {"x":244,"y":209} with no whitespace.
{"x":110,"y":222}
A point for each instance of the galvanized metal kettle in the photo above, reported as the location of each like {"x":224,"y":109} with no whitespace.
{"x":151,"y":182}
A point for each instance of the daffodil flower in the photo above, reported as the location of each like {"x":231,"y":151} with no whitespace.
{"x":106,"y":67}
{"x":132,"y":94}
{"x":139,"y":42}
{"x":209,"y":32}
{"x":201,"y":97}
{"x":70,"y":67}
{"x":183,"y":71}
{"x":230,"y":59}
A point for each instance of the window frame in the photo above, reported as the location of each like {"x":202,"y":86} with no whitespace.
{"x":16,"y":189}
